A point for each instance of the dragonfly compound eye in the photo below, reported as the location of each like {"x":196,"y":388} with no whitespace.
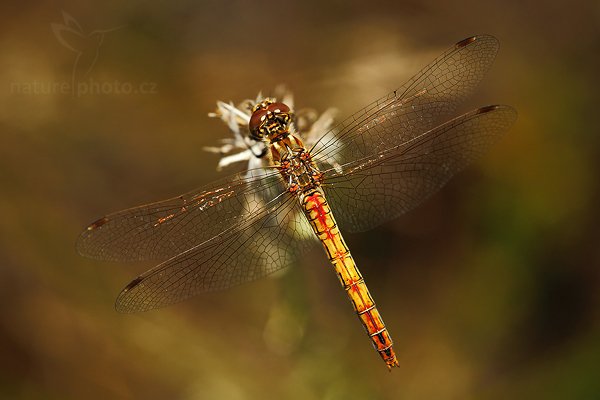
{"x":258,"y":118}
{"x":277,"y":108}
{"x":269,"y":118}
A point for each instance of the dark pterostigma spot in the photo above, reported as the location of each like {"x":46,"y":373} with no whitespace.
{"x":132,"y":284}
{"x":97,"y":224}
{"x":465,"y":42}
{"x":486,"y":109}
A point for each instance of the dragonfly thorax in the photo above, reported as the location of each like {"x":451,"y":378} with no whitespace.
{"x":270,"y":121}
{"x":299,"y":171}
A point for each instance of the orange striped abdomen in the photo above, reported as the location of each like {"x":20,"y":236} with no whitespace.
{"x":321,"y":219}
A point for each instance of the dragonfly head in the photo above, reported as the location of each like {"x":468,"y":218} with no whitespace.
{"x":270,"y":120}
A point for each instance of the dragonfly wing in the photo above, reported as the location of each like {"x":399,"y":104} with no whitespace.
{"x":161,"y":230}
{"x":375,"y":189}
{"x":425,"y":101}
{"x":264,"y":243}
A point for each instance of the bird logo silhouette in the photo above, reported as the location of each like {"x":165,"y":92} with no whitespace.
{"x":85,"y":45}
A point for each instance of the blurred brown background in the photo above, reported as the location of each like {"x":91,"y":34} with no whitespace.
{"x":490,"y":289}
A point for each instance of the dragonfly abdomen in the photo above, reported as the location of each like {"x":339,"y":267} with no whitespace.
{"x":321,"y":219}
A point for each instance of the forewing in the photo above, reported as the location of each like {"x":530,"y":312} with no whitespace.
{"x":161,"y":230}
{"x":426,"y":100}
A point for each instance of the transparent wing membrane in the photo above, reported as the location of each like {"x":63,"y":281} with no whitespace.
{"x":375,"y":189}
{"x":161,"y":230}
{"x":259,"y":246}
{"x":419,"y":105}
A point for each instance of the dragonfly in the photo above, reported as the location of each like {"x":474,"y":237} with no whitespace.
{"x":375,"y":165}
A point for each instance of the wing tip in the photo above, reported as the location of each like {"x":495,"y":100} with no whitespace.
{"x":80,"y":245}
{"x":97,"y":224}
{"x":124,"y":303}
{"x":476,"y":38}
{"x":486,"y":109}
{"x":497,"y":107}
{"x":465,"y":42}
